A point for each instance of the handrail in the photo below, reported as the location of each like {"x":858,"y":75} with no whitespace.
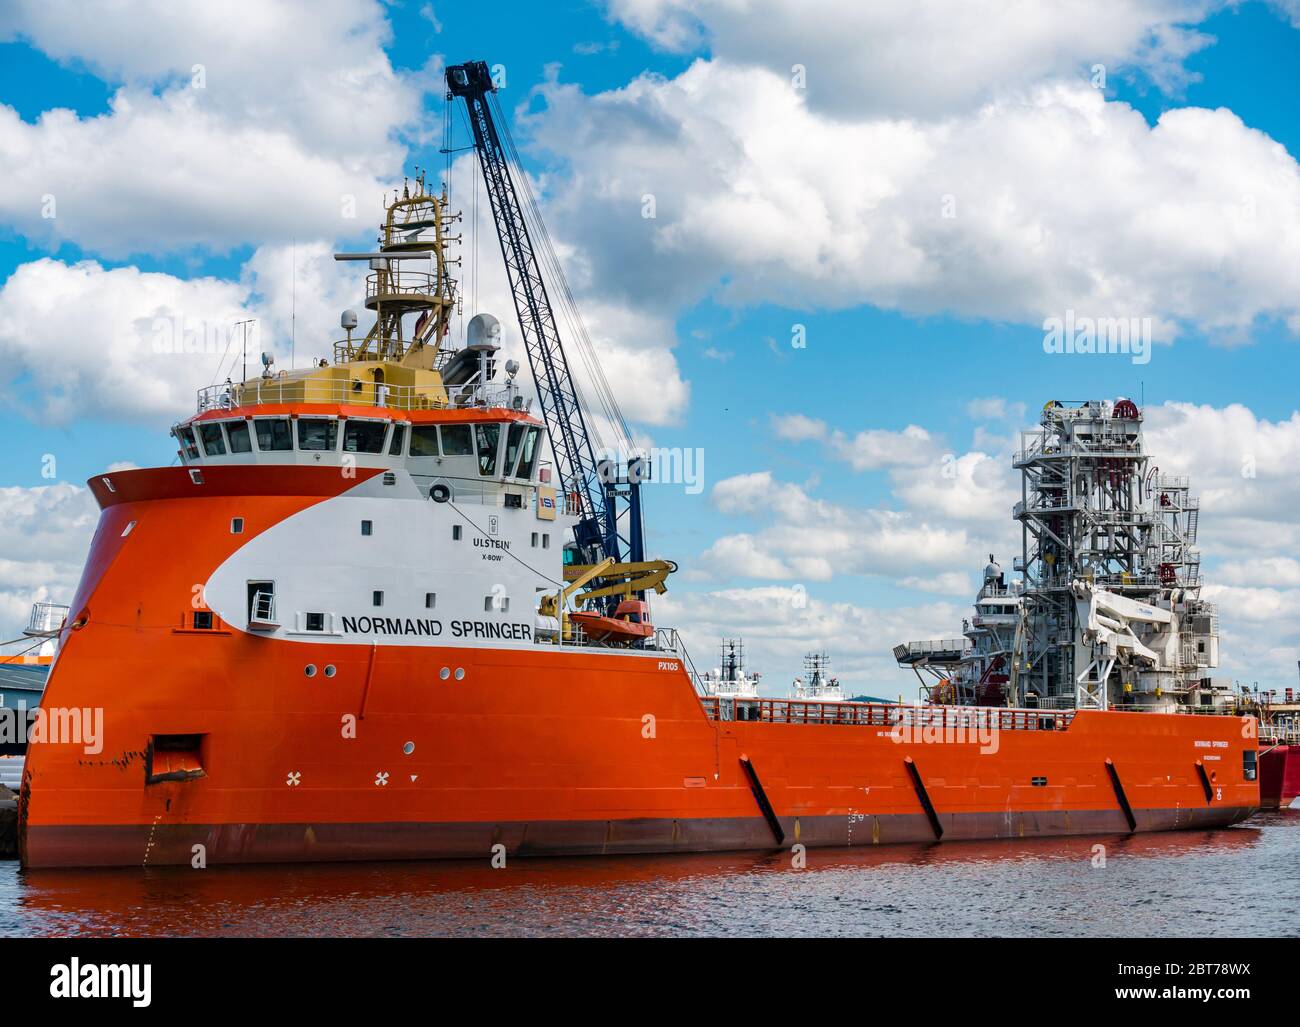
{"x":46,"y":618}
{"x":670,"y":641}
{"x":811,"y":711}
{"x":263,"y":608}
{"x":355,"y":392}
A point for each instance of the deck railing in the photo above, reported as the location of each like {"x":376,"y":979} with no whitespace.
{"x":46,"y":619}
{"x":1279,"y":734}
{"x":356,"y":392}
{"x":795,"y":711}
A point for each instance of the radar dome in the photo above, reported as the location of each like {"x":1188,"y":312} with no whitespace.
{"x":484,"y":332}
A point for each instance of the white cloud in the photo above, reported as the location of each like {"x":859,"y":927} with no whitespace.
{"x":928,"y":57}
{"x":1262,"y":572}
{"x":971,"y":488}
{"x":807,"y":539}
{"x":1244,"y":468}
{"x":867,"y":450}
{"x":631,"y":336}
{"x":798,"y":427}
{"x":1289,"y":9}
{"x":875,"y":448}
{"x":44,"y":535}
{"x":297,"y":107}
{"x":107,"y":326}
{"x":1060,"y":200}
{"x":995,"y":408}
{"x":952,"y":583}
{"x":780,"y":624}
{"x":136,"y":344}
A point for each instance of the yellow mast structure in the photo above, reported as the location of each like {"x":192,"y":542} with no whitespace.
{"x":393,"y":365}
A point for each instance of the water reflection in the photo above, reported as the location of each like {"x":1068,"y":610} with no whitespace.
{"x":1027,"y":886}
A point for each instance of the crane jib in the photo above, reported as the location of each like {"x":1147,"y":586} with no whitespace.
{"x":576,"y":467}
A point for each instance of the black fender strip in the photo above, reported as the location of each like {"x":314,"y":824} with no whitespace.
{"x":1119,"y":794}
{"x":760,"y":796}
{"x":1205,"y":781}
{"x":924,"y":796}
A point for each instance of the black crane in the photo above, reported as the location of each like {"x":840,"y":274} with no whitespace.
{"x":597,"y":486}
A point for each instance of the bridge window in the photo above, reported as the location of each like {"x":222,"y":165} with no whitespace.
{"x":363,"y":436}
{"x":318,"y":433}
{"x":237,"y":432}
{"x":213,"y":442}
{"x":489,"y":442}
{"x":529,"y":457}
{"x":273,"y":434}
{"x":424,"y":441}
{"x":457,"y":440}
{"x":399,"y":437}
{"x":514,"y":438}
{"x":187,"y":441}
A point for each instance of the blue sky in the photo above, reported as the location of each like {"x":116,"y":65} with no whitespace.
{"x":697,"y":314}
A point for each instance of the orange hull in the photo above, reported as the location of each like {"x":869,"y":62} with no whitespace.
{"x":535,"y":749}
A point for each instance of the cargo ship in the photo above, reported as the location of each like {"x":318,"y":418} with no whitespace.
{"x":340,"y":628}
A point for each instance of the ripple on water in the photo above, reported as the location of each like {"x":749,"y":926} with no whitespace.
{"x":1240,"y":881}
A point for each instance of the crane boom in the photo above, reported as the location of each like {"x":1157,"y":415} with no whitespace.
{"x":578,"y":473}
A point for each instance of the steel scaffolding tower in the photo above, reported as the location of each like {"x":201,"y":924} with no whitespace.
{"x":1093,"y":511}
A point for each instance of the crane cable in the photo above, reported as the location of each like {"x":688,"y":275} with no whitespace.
{"x":537,"y":228}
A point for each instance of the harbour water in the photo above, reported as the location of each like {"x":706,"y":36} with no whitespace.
{"x":1240,"y":882}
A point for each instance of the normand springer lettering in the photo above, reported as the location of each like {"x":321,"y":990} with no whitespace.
{"x":392,"y":626}
{"x":420,"y":626}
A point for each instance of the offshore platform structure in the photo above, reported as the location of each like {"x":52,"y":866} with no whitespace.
{"x":605,"y":495}
{"x":1108,"y":612}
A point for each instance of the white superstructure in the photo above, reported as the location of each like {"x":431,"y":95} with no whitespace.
{"x":729,"y":681}
{"x":816,"y":683}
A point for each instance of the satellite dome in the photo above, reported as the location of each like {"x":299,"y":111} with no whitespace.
{"x":349,"y":319}
{"x":484,"y":332}
{"x":992,"y":571}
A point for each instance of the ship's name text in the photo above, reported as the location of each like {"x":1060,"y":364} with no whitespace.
{"x":433,"y":628}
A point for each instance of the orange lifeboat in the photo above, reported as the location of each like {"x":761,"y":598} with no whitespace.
{"x":630,"y":622}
